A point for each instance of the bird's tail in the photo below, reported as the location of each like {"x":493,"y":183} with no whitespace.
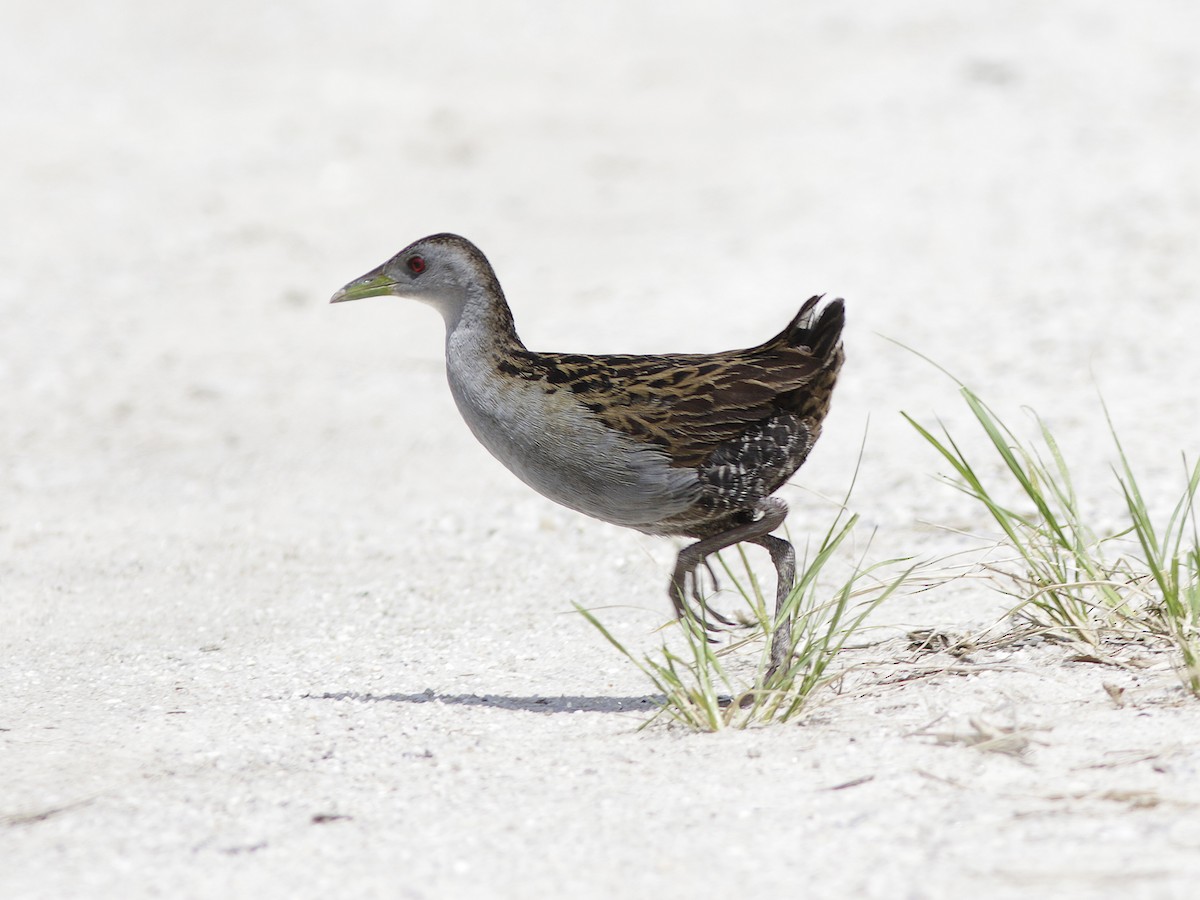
{"x":818,"y":328}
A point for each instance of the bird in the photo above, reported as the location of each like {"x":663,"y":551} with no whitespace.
{"x":690,"y":445}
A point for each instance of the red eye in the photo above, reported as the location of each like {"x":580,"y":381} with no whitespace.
{"x":416,"y":264}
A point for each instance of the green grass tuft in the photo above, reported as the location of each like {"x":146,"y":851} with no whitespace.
{"x":1072,"y":582}
{"x":707,"y":688}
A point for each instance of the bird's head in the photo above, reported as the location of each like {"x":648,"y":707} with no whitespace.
{"x":443,"y":270}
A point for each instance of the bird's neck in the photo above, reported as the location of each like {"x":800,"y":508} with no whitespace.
{"x":480,"y":330}
{"x":481,"y":343}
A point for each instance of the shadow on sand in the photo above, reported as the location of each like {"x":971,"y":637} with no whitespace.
{"x":497,"y":701}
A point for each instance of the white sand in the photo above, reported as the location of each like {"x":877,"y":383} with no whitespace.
{"x":222,"y":500}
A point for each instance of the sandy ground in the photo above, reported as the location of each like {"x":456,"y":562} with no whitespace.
{"x":272,"y":624}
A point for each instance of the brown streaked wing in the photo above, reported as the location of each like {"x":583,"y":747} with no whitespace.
{"x":688,"y":404}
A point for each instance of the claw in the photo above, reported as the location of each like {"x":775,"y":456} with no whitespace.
{"x":709,"y":612}
{"x":730,"y":623}
{"x":688,"y":583}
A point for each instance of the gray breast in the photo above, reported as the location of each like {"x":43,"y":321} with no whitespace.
{"x":562,"y":451}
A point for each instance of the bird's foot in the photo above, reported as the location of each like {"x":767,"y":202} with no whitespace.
{"x":685,"y":584}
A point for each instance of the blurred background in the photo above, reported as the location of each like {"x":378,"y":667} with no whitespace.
{"x":1008,"y":188}
{"x":221,"y":496}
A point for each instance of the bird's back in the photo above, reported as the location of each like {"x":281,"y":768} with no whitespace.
{"x":743,"y":420}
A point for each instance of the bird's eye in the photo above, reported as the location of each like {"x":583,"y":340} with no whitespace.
{"x":416,"y":264}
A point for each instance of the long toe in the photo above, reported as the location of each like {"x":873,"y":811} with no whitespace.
{"x":685,"y":583}
{"x":707,"y":613}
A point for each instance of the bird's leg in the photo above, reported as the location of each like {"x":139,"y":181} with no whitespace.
{"x":773,"y":511}
{"x":784,"y":558}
